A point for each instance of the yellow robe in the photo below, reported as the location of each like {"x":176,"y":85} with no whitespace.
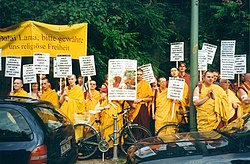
{"x":163,"y":114}
{"x":143,"y":91}
{"x":186,"y":94}
{"x":91,"y":103}
{"x":246,"y":107}
{"x":74,"y":104}
{"x":107,"y":119}
{"x":21,"y":93}
{"x":210,"y":114}
{"x":233,"y":99}
{"x":50,"y":96}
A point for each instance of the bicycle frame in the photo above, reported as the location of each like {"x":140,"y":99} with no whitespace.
{"x":127,"y":123}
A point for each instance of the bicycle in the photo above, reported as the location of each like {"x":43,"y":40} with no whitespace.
{"x":180,"y":127}
{"x":92,"y":138}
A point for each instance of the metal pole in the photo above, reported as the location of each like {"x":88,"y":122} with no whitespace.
{"x":115,"y":156}
{"x":193,"y":60}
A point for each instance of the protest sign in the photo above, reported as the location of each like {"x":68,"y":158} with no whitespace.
{"x":55,"y":69}
{"x":13,"y":66}
{"x":240,"y":64}
{"x":210,"y":50}
{"x":29,"y":75}
{"x":87,"y":65}
{"x":175,"y":88}
{"x":148,"y":73}
{"x":26,"y":38}
{"x":41,"y":63}
{"x":227,"y":68}
{"x":202,"y":60}
{"x":122,"y":79}
{"x":64,"y":65}
{"x":227,"y":48}
{"x":177,"y":51}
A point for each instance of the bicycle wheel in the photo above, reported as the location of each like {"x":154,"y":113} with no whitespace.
{"x":132,"y":134}
{"x":87,"y":141}
{"x":169,"y":129}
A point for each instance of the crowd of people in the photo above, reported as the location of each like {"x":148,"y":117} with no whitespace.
{"x":217,"y":101}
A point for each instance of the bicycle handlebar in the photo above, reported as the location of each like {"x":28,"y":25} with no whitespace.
{"x":126,"y":110}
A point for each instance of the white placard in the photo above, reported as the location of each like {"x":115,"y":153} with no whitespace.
{"x":240,"y":64}
{"x":13,"y":66}
{"x":210,"y":50}
{"x":148,"y":73}
{"x":227,"y":48}
{"x":55,"y":69}
{"x":29,"y":75}
{"x":64,"y":64}
{"x":0,"y":59}
{"x":177,"y":51}
{"x":202,"y":60}
{"x":227,"y":68}
{"x":41,"y":63}
{"x":175,"y":88}
{"x":87,"y":65}
{"x":122,"y":79}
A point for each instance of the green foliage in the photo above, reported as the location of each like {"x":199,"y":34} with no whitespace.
{"x":139,"y":29}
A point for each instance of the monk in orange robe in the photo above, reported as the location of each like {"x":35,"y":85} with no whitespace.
{"x":140,"y":112}
{"x":211,"y":103}
{"x":18,"y":89}
{"x":72,"y":101}
{"x":48,"y":94}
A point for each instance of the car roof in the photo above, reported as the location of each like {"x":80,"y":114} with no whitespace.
{"x":24,"y":101}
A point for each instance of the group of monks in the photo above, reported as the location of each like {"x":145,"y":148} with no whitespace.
{"x":216,"y":104}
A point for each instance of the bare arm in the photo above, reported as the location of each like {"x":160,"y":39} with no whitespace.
{"x":196,"y":98}
{"x":243,"y":96}
{"x":63,"y":97}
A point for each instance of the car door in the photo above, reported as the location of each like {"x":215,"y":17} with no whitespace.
{"x":59,"y":135}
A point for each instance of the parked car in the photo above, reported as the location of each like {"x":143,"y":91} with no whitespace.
{"x":33,"y":131}
{"x":229,"y":145}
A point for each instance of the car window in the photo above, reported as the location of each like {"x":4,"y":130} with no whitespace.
{"x":13,"y":126}
{"x":51,"y":118}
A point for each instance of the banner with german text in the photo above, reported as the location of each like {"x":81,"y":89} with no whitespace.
{"x":27,"y":38}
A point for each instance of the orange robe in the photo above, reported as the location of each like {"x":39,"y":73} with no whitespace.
{"x":21,"y":93}
{"x":50,"y":96}
{"x":91,"y":103}
{"x":143,"y":91}
{"x":210,"y":114}
{"x":164,"y":111}
{"x":233,"y":99}
{"x":107,"y":120}
{"x":74,"y":104}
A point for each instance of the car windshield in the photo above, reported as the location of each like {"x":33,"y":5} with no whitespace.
{"x":13,"y":126}
{"x":240,"y":126}
{"x":182,"y":144}
{"x":51,"y":118}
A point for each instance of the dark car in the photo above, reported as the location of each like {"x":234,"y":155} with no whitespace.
{"x":33,"y":131}
{"x":230,"y":145}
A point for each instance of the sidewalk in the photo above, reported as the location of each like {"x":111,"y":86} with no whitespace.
{"x":97,"y":161}
{"x":121,"y":160}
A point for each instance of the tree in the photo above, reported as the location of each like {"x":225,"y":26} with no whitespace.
{"x":139,"y":29}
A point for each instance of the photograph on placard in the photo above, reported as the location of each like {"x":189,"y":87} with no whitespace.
{"x":122,"y":79}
